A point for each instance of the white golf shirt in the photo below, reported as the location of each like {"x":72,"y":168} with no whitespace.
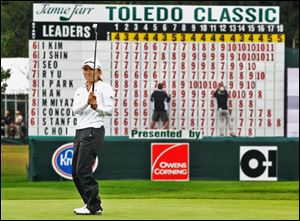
{"x":86,"y":116}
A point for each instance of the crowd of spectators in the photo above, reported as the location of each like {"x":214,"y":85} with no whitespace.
{"x":13,"y":128}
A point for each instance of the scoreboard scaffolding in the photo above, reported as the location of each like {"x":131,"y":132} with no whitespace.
{"x":188,"y":48}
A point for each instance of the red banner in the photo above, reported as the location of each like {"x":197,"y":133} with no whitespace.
{"x":170,"y":161}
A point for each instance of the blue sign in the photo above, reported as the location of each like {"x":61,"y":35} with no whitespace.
{"x":62,"y":161}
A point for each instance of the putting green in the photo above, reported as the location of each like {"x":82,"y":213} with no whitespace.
{"x":154,"y":209}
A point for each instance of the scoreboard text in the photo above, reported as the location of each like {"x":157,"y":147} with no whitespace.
{"x":188,"y":48}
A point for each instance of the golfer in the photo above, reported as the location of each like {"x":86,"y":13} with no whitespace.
{"x":90,"y":108}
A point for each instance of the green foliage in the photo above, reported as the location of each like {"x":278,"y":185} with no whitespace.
{"x":289,"y":12}
{"x":5,"y":74}
{"x":16,"y":17}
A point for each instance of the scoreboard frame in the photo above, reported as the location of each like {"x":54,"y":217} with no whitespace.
{"x":183,"y":44}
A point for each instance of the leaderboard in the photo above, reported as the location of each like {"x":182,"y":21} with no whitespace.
{"x":190,"y":49}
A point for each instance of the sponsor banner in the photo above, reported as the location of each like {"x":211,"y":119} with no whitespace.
{"x":170,"y":161}
{"x":165,"y":134}
{"x":62,"y":161}
{"x":258,"y":163}
{"x":156,"y":14}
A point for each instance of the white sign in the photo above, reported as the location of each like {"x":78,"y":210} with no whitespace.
{"x":293,"y":102}
{"x":258,"y":163}
{"x":156,"y":14}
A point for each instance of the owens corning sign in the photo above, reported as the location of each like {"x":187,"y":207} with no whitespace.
{"x":170,"y":161}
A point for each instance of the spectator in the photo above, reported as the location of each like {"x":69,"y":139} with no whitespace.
{"x":19,"y":123}
{"x":8,"y":124}
{"x":160,"y":97}
{"x":223,"y":113}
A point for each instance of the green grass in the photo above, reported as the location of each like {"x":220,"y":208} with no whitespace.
{"x":143,"y":199}
{"x":14,"y":160}
{"x":164,"y":209}
{"x":141,"y":189}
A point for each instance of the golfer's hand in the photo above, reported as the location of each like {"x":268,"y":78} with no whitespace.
{"x":94,"y":106}
{"x":91,"y":97}
{"x":92,"y":100}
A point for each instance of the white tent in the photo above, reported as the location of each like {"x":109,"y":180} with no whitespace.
{"x":18,"y":83}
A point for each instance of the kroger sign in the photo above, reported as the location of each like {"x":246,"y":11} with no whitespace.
{"x":62,"y":161}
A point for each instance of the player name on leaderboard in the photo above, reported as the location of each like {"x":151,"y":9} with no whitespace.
{"x":188,"y":48}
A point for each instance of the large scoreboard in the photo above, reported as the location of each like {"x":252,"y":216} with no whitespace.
{"x":188,"y":48}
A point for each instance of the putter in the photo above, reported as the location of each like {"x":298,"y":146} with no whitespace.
{"x":95,"y":28}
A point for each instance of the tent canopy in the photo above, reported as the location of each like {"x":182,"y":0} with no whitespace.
{"x":18,"y":83}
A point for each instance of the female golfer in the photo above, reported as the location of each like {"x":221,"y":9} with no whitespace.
{"x":91,"y":104}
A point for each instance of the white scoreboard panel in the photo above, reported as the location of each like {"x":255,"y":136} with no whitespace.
{"x":55,"y":75}
{"x":189,"y":58}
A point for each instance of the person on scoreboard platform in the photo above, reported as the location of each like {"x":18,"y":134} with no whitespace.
{"x":159,"y":99}
{"x":223,"y":113}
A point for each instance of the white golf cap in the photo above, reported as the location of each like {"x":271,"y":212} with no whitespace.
{"x":90,"y":63}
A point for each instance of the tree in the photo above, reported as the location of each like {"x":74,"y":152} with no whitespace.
{"x":15,"y":20}
{"x":5,"y":74}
